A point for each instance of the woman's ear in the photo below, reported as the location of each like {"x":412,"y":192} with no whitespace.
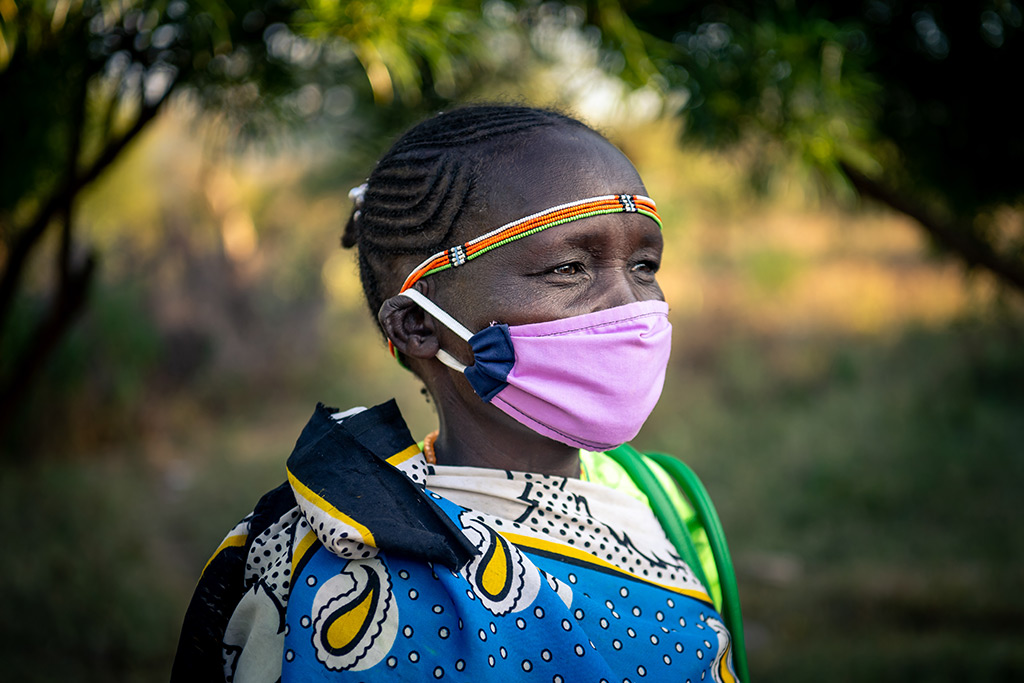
{"x":408,"y":327}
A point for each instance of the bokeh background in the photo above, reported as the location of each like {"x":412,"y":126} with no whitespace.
{"x":844,"y":222}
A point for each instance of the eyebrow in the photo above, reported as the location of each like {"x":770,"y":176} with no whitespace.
{"x":571,"y":246}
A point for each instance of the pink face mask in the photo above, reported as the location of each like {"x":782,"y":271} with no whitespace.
{"x":589,"y":381}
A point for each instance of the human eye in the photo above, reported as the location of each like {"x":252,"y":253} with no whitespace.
{"x":647,"y":266}
{"x":574,"y":268}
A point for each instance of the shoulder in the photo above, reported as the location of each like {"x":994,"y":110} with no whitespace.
{"x":354,"y":489}
{"x":223,"y":584}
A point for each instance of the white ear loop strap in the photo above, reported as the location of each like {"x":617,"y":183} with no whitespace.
{"x":442,"y":317}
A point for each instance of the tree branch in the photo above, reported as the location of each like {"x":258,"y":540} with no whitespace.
{"x":27,"y":239}
{"x":65,"y":308}
{"x":960,"y":240}
{"x":71,"y":164}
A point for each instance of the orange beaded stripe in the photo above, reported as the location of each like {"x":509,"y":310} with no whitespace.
{"x":456,"y":256}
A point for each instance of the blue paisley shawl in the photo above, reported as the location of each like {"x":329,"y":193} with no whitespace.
{"x":371,"y":565}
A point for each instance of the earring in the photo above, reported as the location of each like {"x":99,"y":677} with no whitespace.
{"x":428,"y":447}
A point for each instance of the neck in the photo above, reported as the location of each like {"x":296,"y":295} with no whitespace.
{"x":483,"y":436}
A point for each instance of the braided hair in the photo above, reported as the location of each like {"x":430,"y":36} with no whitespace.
{"x":413,"y":200}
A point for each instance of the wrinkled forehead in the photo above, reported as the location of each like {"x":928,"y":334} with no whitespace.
{"x":546,"y":168}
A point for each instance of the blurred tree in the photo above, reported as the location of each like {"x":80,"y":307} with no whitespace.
{"x":904,"y":101}
{"x":80,"y":79}
{"x":910,"y":103}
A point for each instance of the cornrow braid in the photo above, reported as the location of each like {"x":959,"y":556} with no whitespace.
{"x":416,"y":193}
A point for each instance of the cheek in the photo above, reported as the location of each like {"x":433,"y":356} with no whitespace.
{"x":477,"y":300}
{"x":529,"y":301}
{"x":651,"y":289}
{"x":470,"y":301}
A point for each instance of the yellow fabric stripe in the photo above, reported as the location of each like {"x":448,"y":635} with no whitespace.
{"x":302,"y":547}
{"x":307,"y":493}
{"x":401,"y":456}
{"x":724,"y":671}
{"x":229,"y":542}
{"x":583,"y":556}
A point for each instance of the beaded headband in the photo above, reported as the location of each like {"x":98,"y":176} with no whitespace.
{"x":460,"y":254}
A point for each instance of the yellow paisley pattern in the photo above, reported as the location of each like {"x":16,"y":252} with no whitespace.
{"x":356,"y":619}
{"x":495,"y":575}
{"x":345,"y":626}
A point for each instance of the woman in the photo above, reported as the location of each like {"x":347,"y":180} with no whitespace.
{"x":509,"y":255}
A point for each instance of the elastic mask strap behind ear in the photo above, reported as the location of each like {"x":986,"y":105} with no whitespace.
{"x":442,"y":317}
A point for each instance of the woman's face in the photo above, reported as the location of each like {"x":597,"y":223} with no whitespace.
{"x":565,"y":270}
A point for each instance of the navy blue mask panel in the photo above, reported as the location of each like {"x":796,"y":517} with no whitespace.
{"x":493,"y":360}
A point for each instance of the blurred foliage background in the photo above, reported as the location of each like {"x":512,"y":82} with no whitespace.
{"x":844,"y":256}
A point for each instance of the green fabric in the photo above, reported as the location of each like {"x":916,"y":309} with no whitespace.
{"x":694,"y":490}
{"x":601,"y":468}
{"x":697,"y":532}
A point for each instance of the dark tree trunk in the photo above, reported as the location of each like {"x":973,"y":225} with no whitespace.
{"x":73,"y":281}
